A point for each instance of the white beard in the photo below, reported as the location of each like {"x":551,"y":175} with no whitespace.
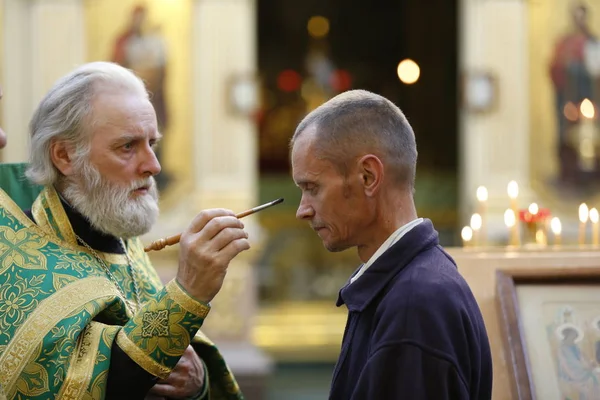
{"x":108,"y":206}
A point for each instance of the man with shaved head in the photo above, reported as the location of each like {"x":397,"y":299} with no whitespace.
{"x":414,"y":329}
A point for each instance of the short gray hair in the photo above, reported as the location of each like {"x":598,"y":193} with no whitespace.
{"x":65,"y":113}
{"x":360,"y":122}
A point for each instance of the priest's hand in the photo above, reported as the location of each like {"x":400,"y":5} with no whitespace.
{"x":186,"y":379}
{"x":206,"y":247}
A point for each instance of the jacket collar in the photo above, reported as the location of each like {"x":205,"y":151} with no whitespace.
{"x":358,"y":295}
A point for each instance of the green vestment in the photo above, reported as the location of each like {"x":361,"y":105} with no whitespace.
{"x":53,"y":292}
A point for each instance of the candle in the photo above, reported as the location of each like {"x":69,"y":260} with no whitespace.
{"x":586,"y":137}
{"x":533,"y":209}
{"x":513,"y":192}
{"x":482,"y":196}
{"x":556,"y":227}
{"x":510,"y":219}
{"x":594,"y":217}
{"x":583,"y":218}
{"x":466,"y":234}
{"x":532,"y":225}
{"x":476,"y":223}
{"x":540,"y":237}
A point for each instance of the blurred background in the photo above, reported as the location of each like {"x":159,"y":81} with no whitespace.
{"x":496,"y":91}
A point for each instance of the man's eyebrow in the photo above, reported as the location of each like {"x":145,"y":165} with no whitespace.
{"x":132,"y":137}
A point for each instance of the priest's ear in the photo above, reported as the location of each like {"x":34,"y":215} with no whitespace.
{"x":61,"y":155}
{"x":371,"y":172}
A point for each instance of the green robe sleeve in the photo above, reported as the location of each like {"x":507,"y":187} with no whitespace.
{"x":157,"y":336}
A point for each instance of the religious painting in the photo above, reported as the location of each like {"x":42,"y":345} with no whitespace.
{"x":552,"y":334}
{"x":564,"y":51}
{"x":152,"y":38}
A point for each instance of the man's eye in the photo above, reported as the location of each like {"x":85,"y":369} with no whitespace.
{"x":128,"y":146}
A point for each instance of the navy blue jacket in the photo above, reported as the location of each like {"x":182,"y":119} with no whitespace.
{"x":414,"y":329}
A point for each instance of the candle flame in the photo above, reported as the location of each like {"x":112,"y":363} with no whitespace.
{"x":533,"y":209}
{"x":594,"y":216}
{"x":556,"y":226}
{"x":476,"y":222}
{"x":512,"y":189}
{"x":583,"y":213}
{"x":466,"y":234}
{"x":587,"y":109}
{"x":482,"y":193}
{"x":510,"y":218}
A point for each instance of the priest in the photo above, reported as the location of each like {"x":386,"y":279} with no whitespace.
{"x":83,"y":314}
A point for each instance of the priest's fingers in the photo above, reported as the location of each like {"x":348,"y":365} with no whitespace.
{"x":205,"y":216}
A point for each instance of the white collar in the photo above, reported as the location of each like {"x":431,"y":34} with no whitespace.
{"x":391,"y":240}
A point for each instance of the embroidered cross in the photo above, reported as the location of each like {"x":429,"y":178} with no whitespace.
{"x":156,"y":323}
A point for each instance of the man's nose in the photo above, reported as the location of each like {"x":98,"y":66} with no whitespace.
{"x":150,"y":165}
{"x":305,"y":210}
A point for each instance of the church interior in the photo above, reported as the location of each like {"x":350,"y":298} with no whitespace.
{"x":501,"y":95}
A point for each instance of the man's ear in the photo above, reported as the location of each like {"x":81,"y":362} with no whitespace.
{"x":372,"y":172}
{"x":60,"y":154}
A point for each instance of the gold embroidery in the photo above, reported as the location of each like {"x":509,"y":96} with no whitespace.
{"x":62,"y":223}
{"x":33,"y":381}
{"x":20,"y":248}
{"x":61,"y":280}
{"x":141,"y":358}
{"x":181,"y":323}
{"x":155,"y":323}
{"x":82,"y":363}
{"x":12,"y":207}
{"x":60,"y":216}
{"x":40,"y":216}
{"x":48,"y":313}
{"x":191,"y":305}
{"x":97,"y":388}
{"x":17,"y":301}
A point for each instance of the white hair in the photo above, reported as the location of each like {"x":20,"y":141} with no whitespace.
{"x":66,"y":113}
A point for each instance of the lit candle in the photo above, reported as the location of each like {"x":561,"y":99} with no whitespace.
{"x":476,"y":223}
{"x":532,"y":226}
{"x":482,"y":196}
{"x":586,"y":136}
{"x":540,"y":237}
{"x":467,"y":235}
{"x":510,"y":220}
{"x":556,"y":227}
{"x":533,"y":209}
{"x":583,"y":218}
{"x":594,"y":217}
{"x":513,"y":192}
